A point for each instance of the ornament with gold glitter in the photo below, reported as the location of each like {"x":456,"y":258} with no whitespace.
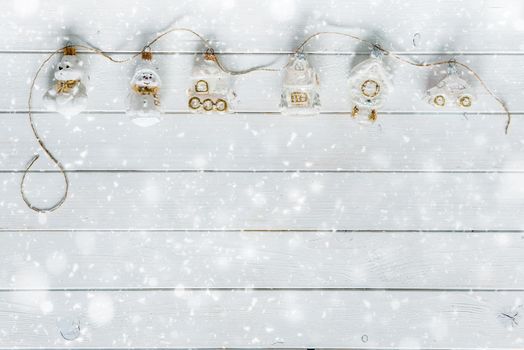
{"x":300,"y":90}
{"x":210,"y":90}
{"x":369,"y":85}
{"x":451,"y":91}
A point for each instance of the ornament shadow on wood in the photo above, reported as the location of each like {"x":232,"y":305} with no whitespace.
{"x":369,"y":85}
{"x":144,"y":107}
{"x":211,"y":87}
{"x":451,"y":91}
{"x":300,"y":88}
{"x":68,"y":96}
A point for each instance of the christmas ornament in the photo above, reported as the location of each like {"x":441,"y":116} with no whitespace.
{"x":369,"y":85}
{"x":452,"y":90}
{"x":210,"y":89}
{"x":300,"y":90}
{"x":144,"y":98}
{"x":68,"y":96}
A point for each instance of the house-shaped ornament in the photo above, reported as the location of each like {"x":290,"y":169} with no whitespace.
{"x":210,"y":89}
{"x":300,"y":88}
{"x":451,"y":91}
{"x":369,"y":85}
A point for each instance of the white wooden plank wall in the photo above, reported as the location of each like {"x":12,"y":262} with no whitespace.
{"x":255,"y":230}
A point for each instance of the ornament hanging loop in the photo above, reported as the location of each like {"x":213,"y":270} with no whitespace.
{"x":147,"y":53}
{"x":209,"y":55}
{"x":69,"y":50}
{"x":452,"y":67}
{"x":377,"y":51}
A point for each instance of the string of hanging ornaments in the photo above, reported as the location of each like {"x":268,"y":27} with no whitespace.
{"x":211,"y":91}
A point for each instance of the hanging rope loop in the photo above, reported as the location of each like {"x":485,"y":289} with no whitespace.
{"x":53,"y":207}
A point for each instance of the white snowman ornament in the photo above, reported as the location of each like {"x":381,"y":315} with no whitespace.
{"x":144,"y":107}
{"x":369,"y":85}
{"x":68,"y":96}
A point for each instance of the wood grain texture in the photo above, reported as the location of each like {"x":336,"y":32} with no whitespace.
{"x":108,"y":86}
{"x":354,"y":201}
{"x":151,"y":260}
{"x":263,"y":319}
{"x":268,"y":25}
{"x":255,"y":230}
{"x":261,"y":142}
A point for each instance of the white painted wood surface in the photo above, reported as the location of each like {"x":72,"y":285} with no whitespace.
{"x":272,"y":201}
{"x":263,"y":319}
{"x":491,"y":26}
{"x":255,"y":230}
{"x":228,"y":259}
{"x":261,"y":142}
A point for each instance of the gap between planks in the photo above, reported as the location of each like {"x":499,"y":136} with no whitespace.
{"x":363,"y":231}
{"x":289,"y":52}
{"x":343,"y":113}
{"x":245,"y":348}
{"x":263,"y":171}
{"x":261,"y":289}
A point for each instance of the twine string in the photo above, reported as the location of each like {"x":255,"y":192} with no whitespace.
{"x":209,"y":50}
{"x":300,"y":48}
{"x":39,"y":139}
{"x":44,"y":148}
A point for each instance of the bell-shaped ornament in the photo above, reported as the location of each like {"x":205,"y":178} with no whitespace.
{"x":451,"y":91}
{"x":68,"y":96}
{"x":210,"y":90}
{"x":300,"y":88}
{"x":143,"y":103}
{"x":369,"y":85}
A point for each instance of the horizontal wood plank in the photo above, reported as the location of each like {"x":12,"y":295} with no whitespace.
{"x":262,"y":142}
{"x":108,"y":86}
{"x":266,"y":26}
{"x":261,"y":319}
{"x":260,"y":201}
{"x":256,"y":230}
{"x":152,"y":260}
